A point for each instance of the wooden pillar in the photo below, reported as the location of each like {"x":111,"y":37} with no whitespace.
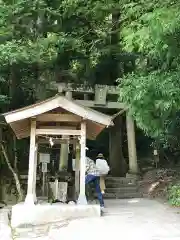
{"x":82,"y":196}
{"x":133,"y":166}
{"x":77,"y":168}
{"x":35,"y":173}
{"x":30,"y":197}
{"x":64,"y":146}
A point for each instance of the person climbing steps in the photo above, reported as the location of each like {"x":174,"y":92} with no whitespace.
{"x":92,"y":175}
{"x":103,"y":168}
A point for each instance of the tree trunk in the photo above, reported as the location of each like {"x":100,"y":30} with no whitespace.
{"x":117,"y":162}
{"x":15,"y":175}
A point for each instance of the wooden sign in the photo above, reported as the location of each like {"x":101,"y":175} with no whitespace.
{"x":44,"y":157}
{"x":44,"y":167}
{"x":155,"y":152}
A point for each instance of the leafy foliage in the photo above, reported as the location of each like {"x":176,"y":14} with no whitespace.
{"x":174,"y":195}
{"x":96,"y":41}
{"x":152,"y":30}
{"x":52,"y":40}
{"x":153,"y":99}
{"x":44,"y":41}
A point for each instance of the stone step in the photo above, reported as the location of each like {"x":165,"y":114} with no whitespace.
{"x":122,"y":190}
{"x":119,"y":185}
{"x":120,"y":180}
{"x":122,"y":195}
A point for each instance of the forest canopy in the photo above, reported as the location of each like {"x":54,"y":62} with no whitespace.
{"x":134,"y":42}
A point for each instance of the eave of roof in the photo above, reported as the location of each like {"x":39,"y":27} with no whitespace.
{"x":20,"y":117}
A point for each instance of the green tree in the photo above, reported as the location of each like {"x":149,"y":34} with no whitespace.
{"x":53,"y":39}
{"x":151,"y":29}
{"x":42,"y":42}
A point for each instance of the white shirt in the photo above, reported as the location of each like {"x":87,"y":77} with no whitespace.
{"x":102,"y":166}
{"x":91,"y":167}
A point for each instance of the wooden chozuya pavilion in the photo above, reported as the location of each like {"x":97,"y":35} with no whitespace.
{"x":57,"y":116}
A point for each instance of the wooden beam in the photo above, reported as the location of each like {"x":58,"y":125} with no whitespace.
{"x":57,"y":127}
{"x":58,"y":132}
{"x":118,"y":113}
{"x":58,"y":141}
{"x":110,"y":105}
{"x":57,"y":117}
{"x":25,"y":177}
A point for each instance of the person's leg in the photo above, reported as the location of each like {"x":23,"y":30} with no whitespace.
{"x":102,"y":184}
{"x":98,"y":190}
{"x":89,"y":178}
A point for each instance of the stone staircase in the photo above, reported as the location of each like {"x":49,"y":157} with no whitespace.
{"x":121,"y":188}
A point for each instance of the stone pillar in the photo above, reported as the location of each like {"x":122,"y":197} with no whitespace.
{"x":64,"y":146}
{"x":82,"y":196}
{"x":31,"y":196}
{"x":133,"y":166}
{"x":64,"y":155}
{"x":86,"y":96}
